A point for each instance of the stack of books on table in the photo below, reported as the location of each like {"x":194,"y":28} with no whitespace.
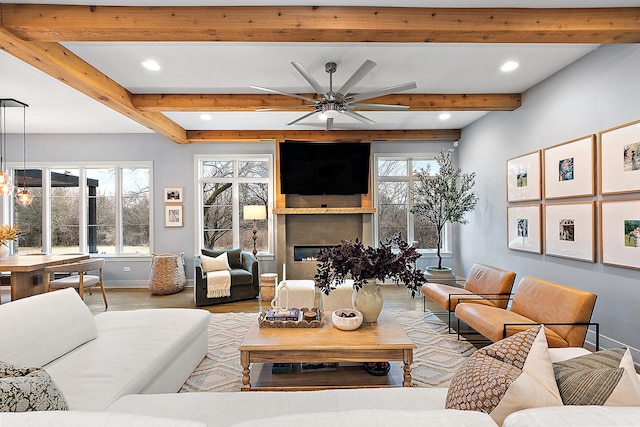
{"x":283,"y":314}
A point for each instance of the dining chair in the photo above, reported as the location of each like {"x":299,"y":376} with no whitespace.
{"x":77,"y":278}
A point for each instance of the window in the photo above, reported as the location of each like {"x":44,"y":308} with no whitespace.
{"x":226,"y":185}
{"x":394,"y":199}
{"x":98,"y":210}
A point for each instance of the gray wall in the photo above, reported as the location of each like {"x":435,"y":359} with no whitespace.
{"x":173,"y":166}
{"x":598,"y":92}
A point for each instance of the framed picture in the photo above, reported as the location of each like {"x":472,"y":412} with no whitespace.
{"x":569,"y":169}
{"x":173,"y":216}
{"x":173,"y":195}
{"x":569,"y":230}
{"x":524,"y":231}
{"x":620,"y":232}
{"x":620,"y":159}
{"x":523,"y":178}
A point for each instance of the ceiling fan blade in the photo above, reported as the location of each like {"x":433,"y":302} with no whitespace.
{"x":329,"y":124}
{"x":385,"y":107}
{"x":358,"y":117}
{"x":293,"y":95}
{"x":309,"y":78}
{"x":286,"y":107}
{"x":303,"y":117}
{"x":382,"y":92}
{"x":357,"y":76}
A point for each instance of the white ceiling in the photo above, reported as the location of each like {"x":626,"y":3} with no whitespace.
{"x":232,"y":67}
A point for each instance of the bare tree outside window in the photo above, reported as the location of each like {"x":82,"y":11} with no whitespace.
{"x":226,"y":188}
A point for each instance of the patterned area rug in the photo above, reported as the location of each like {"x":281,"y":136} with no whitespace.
{"x":437,"y":357}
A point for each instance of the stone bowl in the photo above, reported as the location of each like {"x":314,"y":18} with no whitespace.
{"x":346,"y":323}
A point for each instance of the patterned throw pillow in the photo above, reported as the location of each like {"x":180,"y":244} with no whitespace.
{"x":605,"y":377}
{"x":28,"y":389}
{"x":512,"y":374}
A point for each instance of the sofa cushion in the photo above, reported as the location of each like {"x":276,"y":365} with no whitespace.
{"x":606,"y":377}
{"x":563,"y":416}
{"x":511,"y":374}
{"x":377,"y":417}
{"x":241,"y":277}
{"x":28,"y":389}
{"x":234,"y":255}
{"x":133,"y":349}
{"x":32,"y":341}
{"x":219,"y":263}
{"x":93,"y":419}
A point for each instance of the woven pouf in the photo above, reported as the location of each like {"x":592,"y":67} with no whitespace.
{"x":167,"y":274}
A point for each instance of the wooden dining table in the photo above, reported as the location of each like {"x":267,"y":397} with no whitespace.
{"x":24,"y":268}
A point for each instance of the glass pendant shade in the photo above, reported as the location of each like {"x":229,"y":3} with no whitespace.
{"x":6,"y":187}
{"x":24,"y":197}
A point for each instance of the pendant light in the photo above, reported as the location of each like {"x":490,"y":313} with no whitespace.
{"x":24,"y":196}
{"x":6,"y":187}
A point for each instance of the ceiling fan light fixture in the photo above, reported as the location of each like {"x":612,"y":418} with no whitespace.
{"x":330,"y":110}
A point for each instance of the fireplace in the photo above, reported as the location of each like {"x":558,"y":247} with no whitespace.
{"x":307,"y":253}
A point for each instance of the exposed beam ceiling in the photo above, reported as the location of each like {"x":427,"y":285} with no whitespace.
{"x":56,"y":23}
{"x":32,"y":33}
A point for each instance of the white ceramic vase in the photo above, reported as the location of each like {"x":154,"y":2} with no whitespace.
{"x":368,"y":300}
{"x":4,"y":251}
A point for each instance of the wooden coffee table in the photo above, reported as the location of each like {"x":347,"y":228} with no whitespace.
{"x":381,"y":341}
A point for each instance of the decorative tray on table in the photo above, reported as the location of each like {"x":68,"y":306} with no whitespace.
{"x":291,"y":318}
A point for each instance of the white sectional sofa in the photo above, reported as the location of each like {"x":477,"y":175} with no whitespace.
{"x":96,"y":360}
{"x":124,"y":368}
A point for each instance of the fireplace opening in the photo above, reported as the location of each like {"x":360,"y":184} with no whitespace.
{"x":307,"y":253}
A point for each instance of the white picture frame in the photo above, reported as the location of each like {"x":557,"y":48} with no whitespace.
{"x":569,"y":169}
{"x":524,"y":228}
{"x":173,"y":195}
{"x":617,"y":247}
{"x":620,"y":159}
{"x":524,"y":178}
{"x":173,"y":215}
{"x":570,"y":230}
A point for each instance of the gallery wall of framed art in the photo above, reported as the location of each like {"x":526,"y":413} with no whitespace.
{"x":576,"y":178}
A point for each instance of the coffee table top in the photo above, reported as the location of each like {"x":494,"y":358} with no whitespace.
{"x":383,"y":334}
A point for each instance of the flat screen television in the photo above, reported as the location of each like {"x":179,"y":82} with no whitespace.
{"x":315,"y":168}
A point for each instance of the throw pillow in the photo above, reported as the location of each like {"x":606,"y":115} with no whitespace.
{"x":234,"y":255}
{"x":605,"y":377}
{"x":28,"y":389}
{"x":511,"y":374}
{"x":215,"y":264}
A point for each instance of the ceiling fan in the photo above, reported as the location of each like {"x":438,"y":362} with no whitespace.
{"x":330,"y":105}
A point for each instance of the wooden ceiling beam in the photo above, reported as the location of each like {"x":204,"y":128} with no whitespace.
{"x":319,"y":135}
{"x":62,"y":64}
{"x":252,"y":102}
{"x":60,"y":23}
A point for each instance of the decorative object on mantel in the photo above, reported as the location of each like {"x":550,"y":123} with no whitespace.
{"x":393,"y":259}
{"x":443,"y":197}
{"x":7,"y":233}
{"x":255,"y":212}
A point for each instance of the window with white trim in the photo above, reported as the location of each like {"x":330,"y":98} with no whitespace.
{"x":103,"y":209}
{"x":394,"y":180}
{"x":225,"y":185}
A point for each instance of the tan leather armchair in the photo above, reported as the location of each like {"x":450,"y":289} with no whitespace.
{"x":565,"y":312}
{"x":484,"y":285}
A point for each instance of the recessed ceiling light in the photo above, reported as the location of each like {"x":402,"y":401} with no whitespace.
{"x":150,"y":64}
{"x":444,"y":116}
{"x":205,"y":116}
{"x":509,"y":66}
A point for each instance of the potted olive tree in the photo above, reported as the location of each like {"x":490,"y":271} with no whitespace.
{"x":444,"y":196}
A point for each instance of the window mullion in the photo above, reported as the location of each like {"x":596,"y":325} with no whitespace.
{"x":46,"y":210}
{"x":119,"y":192}
{"x":82,"y":206}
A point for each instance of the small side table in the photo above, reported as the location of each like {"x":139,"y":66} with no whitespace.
{"x":268,"y":286}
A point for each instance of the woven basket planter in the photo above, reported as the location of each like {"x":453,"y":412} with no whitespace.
{"x":167,"y":274}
